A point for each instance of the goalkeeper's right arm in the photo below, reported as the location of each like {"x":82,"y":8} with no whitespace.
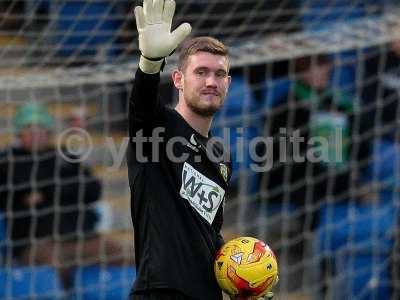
{"x":156,"y":41}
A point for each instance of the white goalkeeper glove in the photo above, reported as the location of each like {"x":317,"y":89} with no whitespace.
{"x":156,"y":41}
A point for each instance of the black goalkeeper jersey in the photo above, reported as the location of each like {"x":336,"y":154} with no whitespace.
{"x":176,"y":206}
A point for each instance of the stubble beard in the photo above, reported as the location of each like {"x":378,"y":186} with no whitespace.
{"x":207,"y":111}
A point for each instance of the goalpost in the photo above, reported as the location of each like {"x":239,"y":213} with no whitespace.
{"x":78,"y":58}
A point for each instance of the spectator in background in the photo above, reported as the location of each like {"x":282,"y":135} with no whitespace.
{"x":381,"y":88}
{"x":12,"y":15}
{"x":237,"y":19}
{"x":78,"y":118}
{"x":381,"y":96}
{"x":317,"y":15}
{"x":313,"y":110}
{"x":49,"y":200}
{"x":16,"y":15}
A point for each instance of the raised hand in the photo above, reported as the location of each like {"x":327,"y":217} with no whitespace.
{"x":154,"y":21}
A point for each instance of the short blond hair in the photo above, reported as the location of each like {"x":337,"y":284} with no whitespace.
{"x":200,"y":44}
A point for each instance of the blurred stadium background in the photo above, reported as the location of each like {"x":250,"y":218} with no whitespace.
{"x":334,"y":230}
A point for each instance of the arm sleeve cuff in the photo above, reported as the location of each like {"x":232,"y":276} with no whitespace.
{"x":149,"y":66}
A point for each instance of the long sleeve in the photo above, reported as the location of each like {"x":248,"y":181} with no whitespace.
{"x":144,"y":104}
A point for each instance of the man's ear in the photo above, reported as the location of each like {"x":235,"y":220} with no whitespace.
{"x":229,"y":81}
{"x":177,"y":78}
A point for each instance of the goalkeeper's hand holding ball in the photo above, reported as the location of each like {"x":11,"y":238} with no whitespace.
{"x":156,"y":41}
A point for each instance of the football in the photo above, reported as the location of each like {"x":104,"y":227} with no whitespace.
{"x":246,"y":267}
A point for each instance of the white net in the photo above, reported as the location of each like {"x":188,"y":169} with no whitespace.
{"x":327,"y":70}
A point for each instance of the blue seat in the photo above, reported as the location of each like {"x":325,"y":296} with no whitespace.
{"x":357,"y":240}
{"x":88,"y":24}
{"x":362,"y":277}
{"x":36,"y":282}
{"x":384,"y":165}
{"x":316,"y":17}
{"x":103,"y":282}
{"x":357,"y":227}
{"x":276,"y":91}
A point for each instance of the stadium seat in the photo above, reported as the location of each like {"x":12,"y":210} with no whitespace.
{"x":362,"y":277}
{"x":103,"y":282}
{"x":357,"y":240}
{"x":36,"y":282}
{"x":80,"y":18}
{"x":357,"y":227}
{"x":312,"y":19}
{"x":383,"y":168}
{"x":276,"y":90}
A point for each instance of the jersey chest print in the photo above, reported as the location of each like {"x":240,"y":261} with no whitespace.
{"x":203,"y":194}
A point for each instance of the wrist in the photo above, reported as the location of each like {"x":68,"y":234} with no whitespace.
{"x":150,"y":66}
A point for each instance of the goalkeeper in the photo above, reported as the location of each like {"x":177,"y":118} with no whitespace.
{"x":177,"y":188}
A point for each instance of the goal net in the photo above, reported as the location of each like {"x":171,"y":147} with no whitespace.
{"x":311,"y":121}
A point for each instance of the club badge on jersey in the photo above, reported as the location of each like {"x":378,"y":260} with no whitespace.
{"x":223,"y":169}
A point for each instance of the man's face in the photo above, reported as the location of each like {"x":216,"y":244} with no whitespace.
{"x":34,"y":137}
{"x":317,"y":76}
{"x":204,"y":82}
{"x":395,"y":47}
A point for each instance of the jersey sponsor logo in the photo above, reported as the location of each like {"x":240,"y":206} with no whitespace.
{"x":203,"y":194}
